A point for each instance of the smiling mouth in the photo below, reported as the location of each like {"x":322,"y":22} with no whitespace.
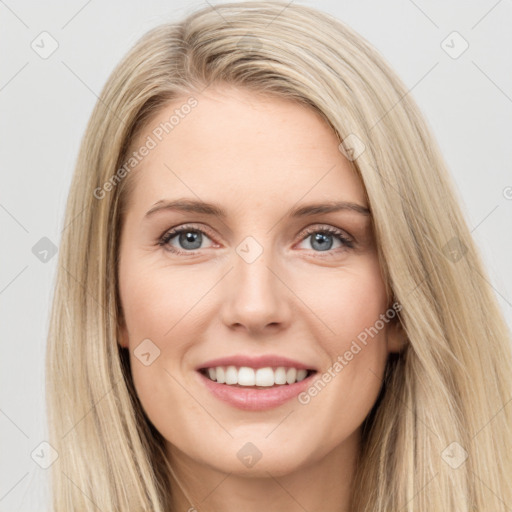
{"x":260,"y":378}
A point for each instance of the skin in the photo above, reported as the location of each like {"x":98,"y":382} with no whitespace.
{"x":257,"y":158}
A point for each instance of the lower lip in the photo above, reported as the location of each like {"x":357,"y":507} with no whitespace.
{"x":252,"y":399}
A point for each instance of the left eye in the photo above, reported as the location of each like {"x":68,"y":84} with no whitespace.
{"x":322,"y":239}
{"x":190,"y":239}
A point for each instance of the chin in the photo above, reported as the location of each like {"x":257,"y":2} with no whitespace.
{"x":249,"y":461}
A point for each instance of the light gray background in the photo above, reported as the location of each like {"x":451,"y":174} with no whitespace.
{"x":45,"y":105}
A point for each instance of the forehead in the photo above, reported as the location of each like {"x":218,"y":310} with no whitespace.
{"x":237,"y":147}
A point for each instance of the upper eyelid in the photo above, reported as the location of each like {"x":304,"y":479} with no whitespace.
{"x":191,"y":227}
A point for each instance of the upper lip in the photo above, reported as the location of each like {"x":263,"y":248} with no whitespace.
{"x":268,"y":360}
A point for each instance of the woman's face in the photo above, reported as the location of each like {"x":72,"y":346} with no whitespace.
{"x":270,"y":277}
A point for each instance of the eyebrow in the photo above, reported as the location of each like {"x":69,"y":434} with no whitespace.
{"x":201,"y":207}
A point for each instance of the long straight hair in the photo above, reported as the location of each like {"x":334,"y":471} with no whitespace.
{"x":439,"y":436}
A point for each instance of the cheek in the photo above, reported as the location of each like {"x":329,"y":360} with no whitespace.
{"x":155,"y":301}
{"x":163,"y":312}
{"x":346,"y":301}
{"x":360,"y":337}
{"x":350,"y":303}
{"x":157,"y":309}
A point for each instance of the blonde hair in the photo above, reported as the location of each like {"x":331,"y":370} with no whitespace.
{"x":452,"y":381}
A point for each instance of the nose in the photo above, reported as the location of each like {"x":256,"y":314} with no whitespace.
{"x":257,"y":298}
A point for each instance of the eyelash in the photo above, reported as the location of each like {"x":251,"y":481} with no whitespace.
{"x":167,"y":236}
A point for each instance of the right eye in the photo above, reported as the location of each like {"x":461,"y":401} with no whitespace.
{"x":189,"y":239}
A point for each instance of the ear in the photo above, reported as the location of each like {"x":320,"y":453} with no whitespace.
{"x":396,"y":337}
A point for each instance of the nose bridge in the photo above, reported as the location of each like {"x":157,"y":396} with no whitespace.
{"x":257,"y":296}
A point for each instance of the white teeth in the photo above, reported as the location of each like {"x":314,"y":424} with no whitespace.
{"x":231,"y":375}
{"x":220,"y":374}
{"x":246,"y":376}
{"x":301,"y":374}
{"x":264,"y":377}
{"x":291,"y":375}
{"x":280,"y":375}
